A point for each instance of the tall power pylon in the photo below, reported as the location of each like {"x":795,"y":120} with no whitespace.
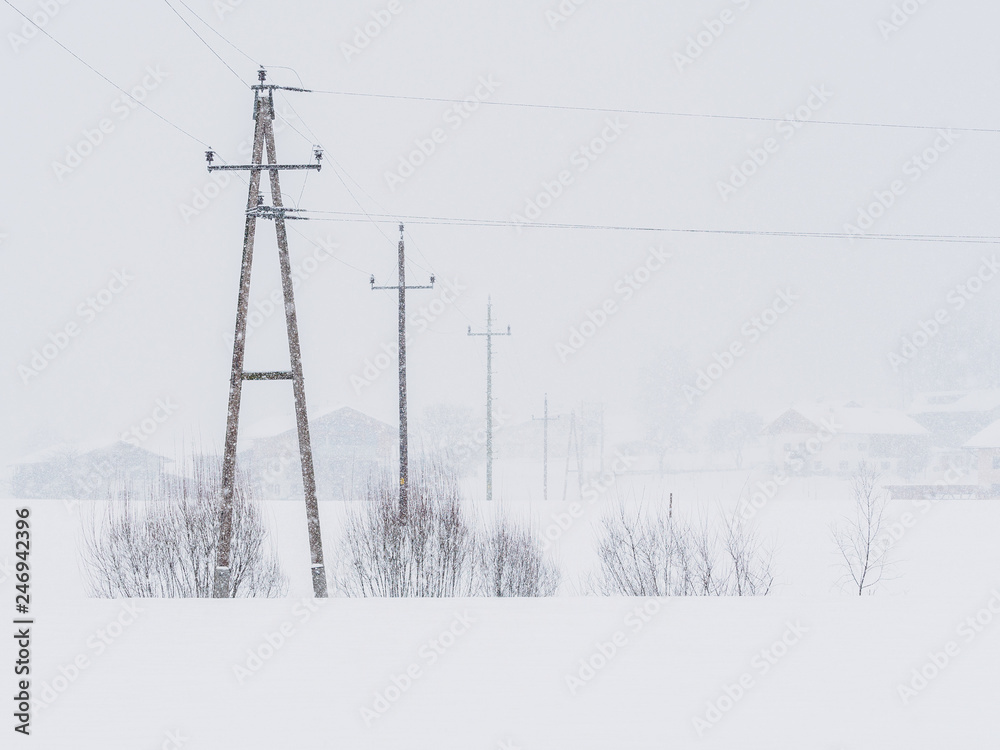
{"x":489,"y":334}
{"x":404,"y":479}
{"x":263,"y":115}
{"x":545,"y":447}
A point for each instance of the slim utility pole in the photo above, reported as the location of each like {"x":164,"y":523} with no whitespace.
{"x":489,"y":334}
{"x":404,"y":480}
{"x":574,"y":442}
{"x":263,"y":114}
{"x":545,"y":447}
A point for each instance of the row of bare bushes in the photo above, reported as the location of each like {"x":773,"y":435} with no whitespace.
{"x":162,"y":543}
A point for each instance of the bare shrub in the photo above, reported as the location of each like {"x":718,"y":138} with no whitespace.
{"x":431,"y":553}
{"x":438,"y":550}
{"x":511,"y":562}
{"x":162,"y":543}
{"x":863,"y":555}
{"x":655,"y":554}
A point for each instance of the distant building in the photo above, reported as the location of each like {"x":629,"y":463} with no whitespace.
{"x":348,"y":447}
{"x":837,"y":439}
{"x":82,"y":471}
{"x":953,"y":417}
{"x":985,"y":447}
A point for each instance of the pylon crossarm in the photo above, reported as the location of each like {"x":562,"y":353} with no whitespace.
{"x":272,"y":375}
{"x":261,"y":167}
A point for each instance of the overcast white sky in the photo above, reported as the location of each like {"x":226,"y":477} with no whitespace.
{"x":168,"y":333}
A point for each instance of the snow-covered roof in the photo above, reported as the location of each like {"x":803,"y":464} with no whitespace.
{"x":987,"y":438}
{"x":345,"y":419}
{"x":848,"y":419}
{"x":956,"y":401}
{"x":77,"y":450}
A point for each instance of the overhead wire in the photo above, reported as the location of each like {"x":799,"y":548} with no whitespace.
{"x":203,"y":41}
{"x":107,"y":80}
{"x":654,"y":112}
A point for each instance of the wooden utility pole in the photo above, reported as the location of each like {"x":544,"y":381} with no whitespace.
{"x":404,"y":480}
{"x":263,"y":114}
{"x":545,"y":447}
{"x":489,"y":334}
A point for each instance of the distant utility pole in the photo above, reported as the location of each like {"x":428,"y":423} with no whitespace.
{"x":489,"y":334}
{"x":404,"y":480}
{"x":545,"y":447}
{"x":574,"y":442}
{"x":263,"y":114}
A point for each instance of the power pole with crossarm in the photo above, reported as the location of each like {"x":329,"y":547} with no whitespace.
{"x":401,"y":286}
{"x":263,"y":114}
{"x":489,"y":334}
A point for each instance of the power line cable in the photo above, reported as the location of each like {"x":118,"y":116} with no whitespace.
{"x":105,"y":78}
{"x":202,"y":39}
{"x":451,"y":221}
{"x":218,"y":33}
{"x":658,"y":113}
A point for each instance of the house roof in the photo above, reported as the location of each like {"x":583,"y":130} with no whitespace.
{"x":78,"y":450}
{"x":986,"y":438}
{"x":344,"y":420}
{"x":849,"y":418}
{"x":956,"y":401}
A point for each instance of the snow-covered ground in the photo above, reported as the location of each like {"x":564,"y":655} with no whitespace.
{"x":808,"y":667}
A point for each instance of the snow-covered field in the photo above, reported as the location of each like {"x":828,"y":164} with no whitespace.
{"x":807,"y":667}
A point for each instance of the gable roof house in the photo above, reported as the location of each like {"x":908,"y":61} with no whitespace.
{"x":348,"y":447}
{"x":838,"y":438}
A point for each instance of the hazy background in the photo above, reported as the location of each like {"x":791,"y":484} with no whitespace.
{"x":168,"y":334}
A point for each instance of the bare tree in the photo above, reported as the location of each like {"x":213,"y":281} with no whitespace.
{"x":161,"y":542}
{"x":857,"y":537}
{"x":655,"y":554}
